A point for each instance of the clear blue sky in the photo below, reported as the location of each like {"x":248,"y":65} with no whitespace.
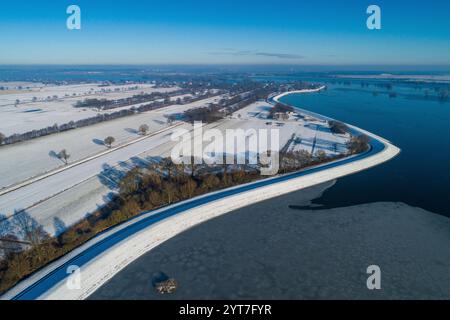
{"x":225,"y":32}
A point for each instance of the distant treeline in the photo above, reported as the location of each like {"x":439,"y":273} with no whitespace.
{"x":441,"y":90}
{"x":280,"y":108}
{"x":217,"y":111}
{"x":245,"y":92}
{"x":104,"y":104}
{"x":226,"y":107}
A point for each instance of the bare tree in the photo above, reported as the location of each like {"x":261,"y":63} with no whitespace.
{"x":109,"y":141}
{"x":168,"y":164}
{"x":5,"y":225}
{"x":10,"y":244}
{"x":63,"y":155}
{"x":335,"y":147}
{"x":169,"y":191}
{"x":170,"y":119}
{"x":166,"y":100}
{"x":193,"y":164}
{"x":29,"y":228}
{"x":321,"y":155}
{"x":358,"y":144}
{"x":302,"y":158}
{"x":143,"y":129}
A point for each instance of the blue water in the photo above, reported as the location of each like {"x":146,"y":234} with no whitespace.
{"x":420,"y":176}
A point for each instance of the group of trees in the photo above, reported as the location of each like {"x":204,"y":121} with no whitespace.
{"x":104,"y":104}
{"x":358,"y":144}
{"x":224,"y":107}
{"x":161,"y":184}
{"x":21,"y":239}
{"x":338,"y":127}
{"x":92,"y":103}
{"x":296,"y":160}
{"x":208,"y":114}
{"x":280,"y":108}
{"x":16,"y":138}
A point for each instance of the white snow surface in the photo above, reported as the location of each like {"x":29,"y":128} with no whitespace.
{"x":71,"y":194}
{"x":31,"y":115}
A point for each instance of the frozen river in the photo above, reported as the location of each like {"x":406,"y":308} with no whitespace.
{"x":271,"y":251}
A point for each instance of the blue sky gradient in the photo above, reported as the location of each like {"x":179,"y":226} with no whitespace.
{"x":329,"y":32}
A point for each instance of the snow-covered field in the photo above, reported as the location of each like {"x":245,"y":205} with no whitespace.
{"x":306,"y":133}
{"x":44,"y":189}
{"x":35,"y":156}
{"x":77,"y":191}
{"x":30,"y":115}
{"x":72,"y":193}
{"x":41,"y":92}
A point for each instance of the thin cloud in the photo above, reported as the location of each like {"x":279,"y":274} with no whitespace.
{"x":259,"y":53}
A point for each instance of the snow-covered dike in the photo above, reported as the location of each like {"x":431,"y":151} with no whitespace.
{"x":278,"y":97}
{"x":132,"y":241}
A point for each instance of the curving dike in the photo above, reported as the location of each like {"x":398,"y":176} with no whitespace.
{"x":108,"y":253}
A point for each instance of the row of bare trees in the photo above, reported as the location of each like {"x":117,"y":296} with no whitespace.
{"x":104,"y":104}
{"x":101,"y":117}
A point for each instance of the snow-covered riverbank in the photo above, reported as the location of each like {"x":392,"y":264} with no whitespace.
{"x":278,"y":97}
